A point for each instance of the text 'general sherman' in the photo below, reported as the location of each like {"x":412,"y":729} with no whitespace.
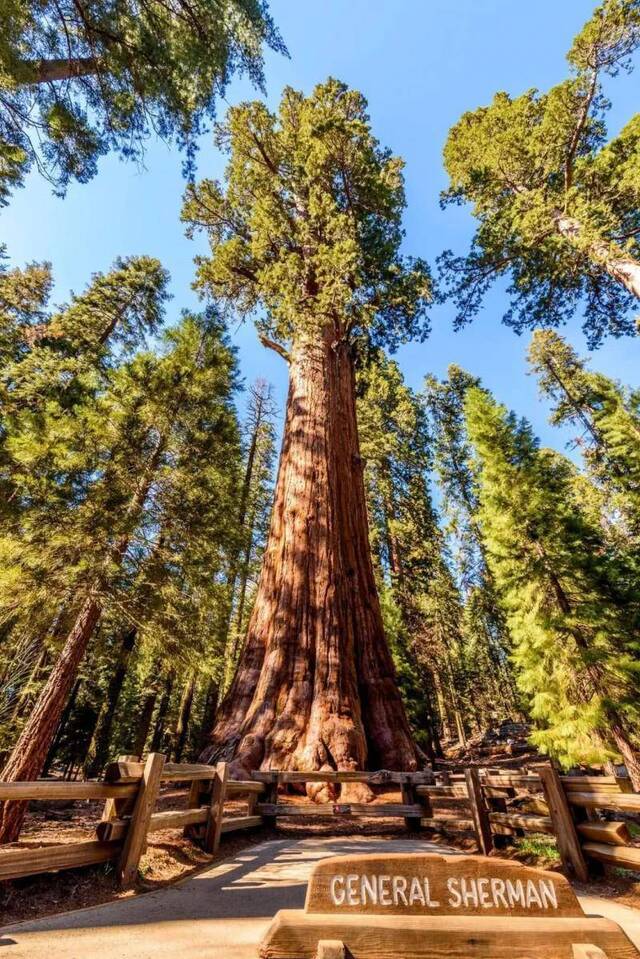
{"x":355,"y":889}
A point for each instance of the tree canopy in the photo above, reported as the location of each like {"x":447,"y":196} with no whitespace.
{"x":79,"y":78}
{"x":308,"y":223}
{"x":557,"y":204}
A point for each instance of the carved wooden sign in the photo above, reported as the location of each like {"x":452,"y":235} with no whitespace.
{"x":428,"y":906}
{"x":433,"y":885}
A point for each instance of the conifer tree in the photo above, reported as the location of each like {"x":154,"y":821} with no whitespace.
{"x":168,"y":433}
{"x":405,"y":538}
{"x":573,"y":608}
{"x":308,"y":227}
{"x":81,"y":78}
{"x":254,"y":510}
{"x":607,"y":417}
{"x":485,"y":632}
{"x":557,"y":204}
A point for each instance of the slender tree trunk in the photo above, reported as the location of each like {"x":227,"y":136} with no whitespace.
{"x":232,"y":635}
{"x":161,"y":715}
{"x":211,"y":699}
{"x":182,"y":722}
{"x":619,"y":265}
{"x":62,"y":725}
{"x":30,"y":752}
{"x":145,"y":712}
{"x":97,"y":753}
{"x":316,"y":686}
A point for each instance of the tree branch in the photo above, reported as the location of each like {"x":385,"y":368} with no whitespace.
{"x":49,"y":71}
{"x":272,"y":345}
{"x":577,"y":133}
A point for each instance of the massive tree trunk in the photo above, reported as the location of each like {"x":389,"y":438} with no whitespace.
{"x":316,"y":687}
{"x":618,"y":264}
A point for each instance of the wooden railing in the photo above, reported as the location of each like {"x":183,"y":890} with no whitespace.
{"x":130,"y":790}
{"x":498,"y":805}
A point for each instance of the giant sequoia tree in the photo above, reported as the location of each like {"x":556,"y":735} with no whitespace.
{"x":307,"y":229}
{"x":80,"y":77}
{"x":557,"y":205}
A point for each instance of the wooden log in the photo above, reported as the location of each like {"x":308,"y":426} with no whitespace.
{"x":294,"y":935}
{"x":515,"y":782}
{"x":216,"y":808}
{"x":331,"y":949}
{"x":442,"y":823}
{"x":125,"y":769}
{"x":479,"y":811}
{"x":172,"y":819}
{"x":136,"y":837}
{"x":236,"y":787}
{"x":584,"y":783}
{"x":380,"y":777}
{"x":50,"y":789}
{"x":15,"y":863}
{"x":117,"y":808}
{"x":173,"y":772}
{"x":233,"y":824}
{"x":528,"y":823}
{"x":622,"y":802}
{"x":196,"y":800}
{"x":409,"y":798}
{"x":563,"y":825}
{"x":458,"y":791}
{"x":340,"y":809}
{"x":628,"y":857}
{"x":611,"y":833}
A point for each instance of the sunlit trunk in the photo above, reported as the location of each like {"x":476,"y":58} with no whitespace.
{"x":316,"y":686}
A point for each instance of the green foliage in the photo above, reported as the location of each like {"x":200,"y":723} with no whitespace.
{"x":487,"y":644}
{"x":307,"y":225}
{"x":121,"y":458}
{"x":572,"y":602}
{"x":557,"y":206}
{"x":538,"y":849}
{"x":80,"y":79}
{"x":607,"y":418}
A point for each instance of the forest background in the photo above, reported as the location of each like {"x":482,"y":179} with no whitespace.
{"x":421,"y":64}
{"x":174,"y":522}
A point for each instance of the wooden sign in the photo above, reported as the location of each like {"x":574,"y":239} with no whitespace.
{"x":432,"y":885}
{"x":427,"y":906}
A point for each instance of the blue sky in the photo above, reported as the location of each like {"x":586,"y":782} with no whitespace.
{"x":420,"y":63}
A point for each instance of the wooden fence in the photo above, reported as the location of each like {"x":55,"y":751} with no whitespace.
{"x":130,"y":790}
{"x":497,"y":805}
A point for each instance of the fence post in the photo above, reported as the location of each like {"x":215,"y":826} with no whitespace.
{"x":216,"y":809}
{"x":410,"y":798}
{"x":481,"y":821}
{"x":563,"y":825}
{"x":116,"y":808}
{"x":136,"y":837}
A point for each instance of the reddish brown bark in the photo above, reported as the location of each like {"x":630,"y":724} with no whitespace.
{"x":30,"y":752}
{"x":316,"y":686}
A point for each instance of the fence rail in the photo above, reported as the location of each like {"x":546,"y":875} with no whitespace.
{"x":130,"y":791}
{"x":499,"y":806}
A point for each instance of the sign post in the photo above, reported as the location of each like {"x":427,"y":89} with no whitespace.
{"x":426,"y":906}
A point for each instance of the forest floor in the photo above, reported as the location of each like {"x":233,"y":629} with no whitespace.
{"x":171,"y":857}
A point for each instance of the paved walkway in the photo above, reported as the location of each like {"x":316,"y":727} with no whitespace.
{"x":221,"y":913}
